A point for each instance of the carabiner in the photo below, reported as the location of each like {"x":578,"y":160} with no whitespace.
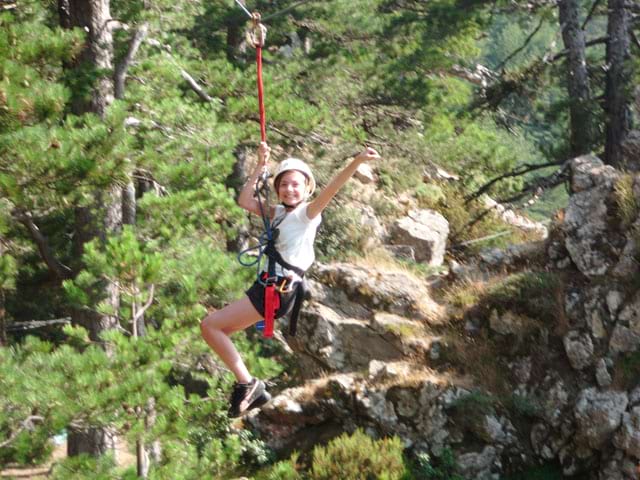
{"x":257,"y":35}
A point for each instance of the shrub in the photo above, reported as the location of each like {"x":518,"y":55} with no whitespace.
{"x":474,"y":404}
{"x":442,"y":469}
{"x":358,"y":457}
{"x":285,"y":470}
{"x":527,"y":293}
{"x":28,"y":448}
{"x":341,"y":233}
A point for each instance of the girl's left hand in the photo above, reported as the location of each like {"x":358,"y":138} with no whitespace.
{"x":368,"y":155}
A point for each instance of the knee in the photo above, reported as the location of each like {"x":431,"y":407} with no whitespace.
{"x":207,"y":323}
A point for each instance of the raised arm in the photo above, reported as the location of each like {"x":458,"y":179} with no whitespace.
{"x":325,"y":196}
{"x":246,"y":199}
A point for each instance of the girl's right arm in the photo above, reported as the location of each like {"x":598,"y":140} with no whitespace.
{"x":246,"y":199}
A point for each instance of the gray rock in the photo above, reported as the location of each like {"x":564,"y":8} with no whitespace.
{"x":403,"y":252}
{"x":365,"y":174}
{"x":623,"y":340}
{"x":603,"y":377}
{"x":614,"y":301}
{"x":598,"y":415}
{"x":588,"y":239}
{"x":477,"y":465}
{"x":426,"y":231}
{"x":628,"y":437}
{"x":579,"y":349}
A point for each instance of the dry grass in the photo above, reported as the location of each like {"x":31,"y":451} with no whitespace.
{"x":381,"y":259}
{"x":627,"y":207}
{"x":478,"y":358}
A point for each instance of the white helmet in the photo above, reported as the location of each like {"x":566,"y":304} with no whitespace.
{"x":300,"y":166}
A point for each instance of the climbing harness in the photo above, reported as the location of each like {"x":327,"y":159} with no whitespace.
{"x":274,"y":287}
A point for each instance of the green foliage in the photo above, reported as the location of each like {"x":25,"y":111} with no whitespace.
{"x":375,"y":71}
{"x":358,"y":456}
{"x":284,"y":470}
{"x":83,"y":466}
{"x":523,"y":406}
{"x":341,"y":233}
{"x":627,"y":370}
{"x":470,"y":220}
{"x":474,"y":404}
{"x":8,"y":271}
{"x":28,"y":448}
{"x":123,"y":262}
{"x":543,"y":472}
{"x":443,"y":468}
{"x":534,"y":294}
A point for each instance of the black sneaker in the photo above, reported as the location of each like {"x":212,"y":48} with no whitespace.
{"x":246,"y":396}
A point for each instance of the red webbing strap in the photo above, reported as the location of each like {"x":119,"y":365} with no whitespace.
{"x":263,"y":121}
{"x":271,"y":304}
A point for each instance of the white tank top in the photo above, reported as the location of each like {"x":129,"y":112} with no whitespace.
{"x":295,"y":239}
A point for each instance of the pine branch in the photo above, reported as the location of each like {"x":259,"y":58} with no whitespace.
{"x":589,"y":43}
{"x":540,"y":184}
{"x":516,"y":172}
{"x":144,"y":308}
{"x":523,"y":46}
{"x":58,"y":268}
{"x":590,"y":14}
{"x":120,"y":74}
{"x":20,"y":326}
{"x":26,"y":424}
{"x":195,"y":86}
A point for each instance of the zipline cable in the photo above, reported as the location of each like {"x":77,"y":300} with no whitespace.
{"x":244,"y":8}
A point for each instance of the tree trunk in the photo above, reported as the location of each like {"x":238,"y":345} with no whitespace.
{"x":236,"y":180}
{"x":618,"y":86}
{"x":92,"y":441}
{"x":129,"y":204}
{"x":104,"y":216}
{"x":94,"y":17}
{"x":581,"y":122}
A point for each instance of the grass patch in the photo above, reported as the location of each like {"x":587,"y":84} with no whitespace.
{"x":627,"y":371}
{"x":534,"y":294}
{"x":475,"y":404}
{"x":627,"y":206}
{"x":523,"y":406}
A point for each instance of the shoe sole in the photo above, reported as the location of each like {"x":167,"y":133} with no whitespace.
{"x":260,"y":400}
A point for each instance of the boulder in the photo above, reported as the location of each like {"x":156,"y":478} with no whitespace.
{"x":426,"y":231}
{"x":593,"y":247}
{"x":628,"y":437}
{"x":579,"y":349}
{"x":365,"y":174}
{"x":598,"y":415}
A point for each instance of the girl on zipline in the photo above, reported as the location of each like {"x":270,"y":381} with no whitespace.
{"x":297,"y":219}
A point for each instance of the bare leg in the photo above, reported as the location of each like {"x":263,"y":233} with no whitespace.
{"x":217,"y":326}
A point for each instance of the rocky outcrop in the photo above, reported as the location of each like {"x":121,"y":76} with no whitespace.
{"x":376,"y":351}
{"x":592,"y":235}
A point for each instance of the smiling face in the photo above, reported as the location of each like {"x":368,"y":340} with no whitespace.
{"x":292,"y":187}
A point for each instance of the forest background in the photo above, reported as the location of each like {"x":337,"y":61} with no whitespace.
{"x":121,"y":124}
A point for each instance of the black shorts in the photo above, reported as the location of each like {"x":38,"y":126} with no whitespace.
{"x":256,"y":295}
